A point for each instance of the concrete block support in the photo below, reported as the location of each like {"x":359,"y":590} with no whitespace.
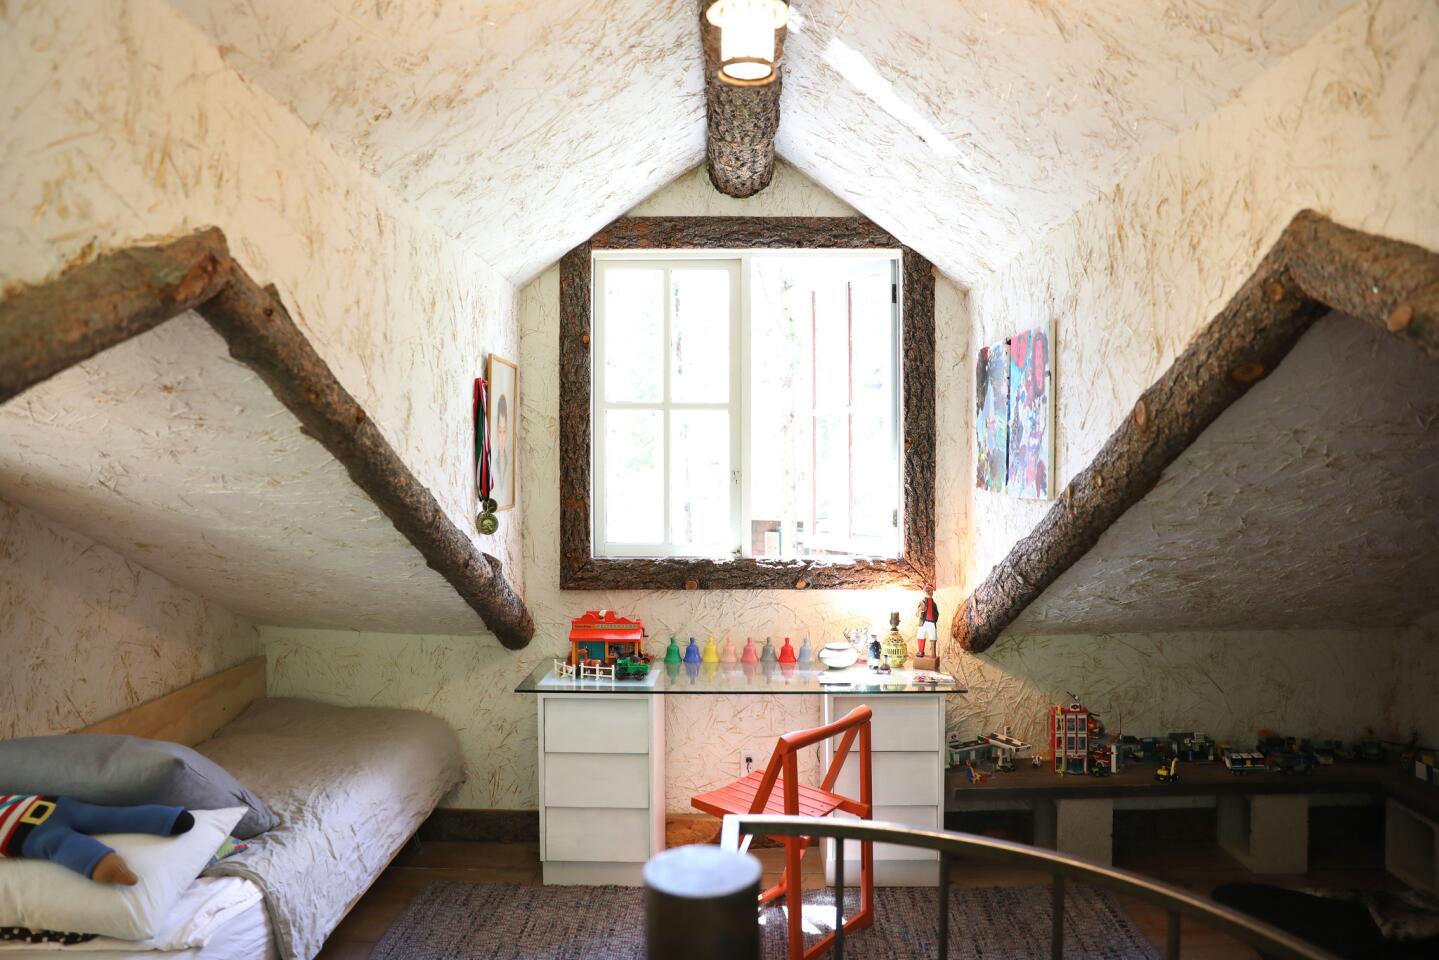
{"x":1268,"y":834}
{"x":1081,"y":828}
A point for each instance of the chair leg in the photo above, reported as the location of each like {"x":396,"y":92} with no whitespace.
{"x":794,"y":896}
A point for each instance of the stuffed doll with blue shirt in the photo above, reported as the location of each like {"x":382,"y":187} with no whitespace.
{"x":58,"y":829}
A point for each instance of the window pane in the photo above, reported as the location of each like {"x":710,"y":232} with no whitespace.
{"x":634,"y":476}
{"x":824,"y":474}
{"x":700,"y":336}
{"x":700,"y":481}
{"x":875,"y":495}
{"x":634,"y":335}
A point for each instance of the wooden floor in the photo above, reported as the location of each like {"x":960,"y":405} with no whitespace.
{"x":1196,"y":866}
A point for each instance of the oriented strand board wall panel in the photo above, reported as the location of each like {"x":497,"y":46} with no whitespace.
{"x":136,"y":127}
{"x":89,"y":633}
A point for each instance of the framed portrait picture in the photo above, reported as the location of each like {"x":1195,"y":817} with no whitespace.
{"x":504,"y":429}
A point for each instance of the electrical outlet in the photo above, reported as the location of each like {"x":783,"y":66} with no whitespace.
{"x":746,"y":763}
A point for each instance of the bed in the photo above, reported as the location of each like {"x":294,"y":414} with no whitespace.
{"x":349,"y":785}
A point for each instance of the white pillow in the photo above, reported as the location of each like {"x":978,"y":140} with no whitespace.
{"x":46,"y":896}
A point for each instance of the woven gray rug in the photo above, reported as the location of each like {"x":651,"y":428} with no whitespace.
{"x":470,"y":921}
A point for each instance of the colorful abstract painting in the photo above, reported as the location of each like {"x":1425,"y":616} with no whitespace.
{"x":1029,"y":415}
{"x":991,"y":417}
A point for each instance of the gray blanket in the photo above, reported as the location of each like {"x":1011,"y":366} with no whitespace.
{"x":349,"y":786}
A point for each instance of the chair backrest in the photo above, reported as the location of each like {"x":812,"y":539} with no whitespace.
{"x":853,"y":725}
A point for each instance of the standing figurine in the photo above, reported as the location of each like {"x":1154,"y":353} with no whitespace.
{"x":927,"y":636}
{"x":806,"y":655}
{"x":692,"y":652}
{"x":767,"y":655}
{"x":727,"y":654}
{"x":711,"y":654}
{"x":672,"y":652}
{"x":786,"y":652}
{"x":876,"y":655}
{"x":750,"y":655}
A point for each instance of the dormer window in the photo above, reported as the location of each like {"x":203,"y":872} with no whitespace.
{"x":746,"y":408}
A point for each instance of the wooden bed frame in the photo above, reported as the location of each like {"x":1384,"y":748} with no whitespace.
{"x":191,"y":714}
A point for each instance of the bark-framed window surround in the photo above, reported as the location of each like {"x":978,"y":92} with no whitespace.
{"x":581,"y":570}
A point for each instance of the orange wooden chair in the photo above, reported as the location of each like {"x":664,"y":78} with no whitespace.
{"x":757,"y":793}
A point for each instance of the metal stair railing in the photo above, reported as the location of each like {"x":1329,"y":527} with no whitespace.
{"x":1176,"y":902}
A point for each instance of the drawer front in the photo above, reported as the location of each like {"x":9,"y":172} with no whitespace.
{"x":596,"y":725}
{"x":597,"y":780}
{"x":899,"y":779}
{"x":597,"y":835}
{"x":926,"y":818}
{"x":900,"y":722}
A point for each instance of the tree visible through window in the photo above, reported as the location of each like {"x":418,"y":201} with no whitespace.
{"x":747,"y":405}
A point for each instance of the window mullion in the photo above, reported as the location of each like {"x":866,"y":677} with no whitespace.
{"x":740,"y":411}
{"x":665,"y":357}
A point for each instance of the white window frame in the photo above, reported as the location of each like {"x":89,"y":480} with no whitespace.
{"x":739,"y":263}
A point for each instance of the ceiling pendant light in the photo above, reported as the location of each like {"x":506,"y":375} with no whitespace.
{"x":747,"y":47}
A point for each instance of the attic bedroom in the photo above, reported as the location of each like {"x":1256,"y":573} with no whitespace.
{"x":735,"y":478}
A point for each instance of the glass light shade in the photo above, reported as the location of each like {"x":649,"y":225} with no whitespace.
{"x":747,"y":29}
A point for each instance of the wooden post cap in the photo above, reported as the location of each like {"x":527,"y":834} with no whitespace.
{"x":700,"y":871}
{"x":700,"y":904}
{"x":1402,"y":316}
{"x":692,"y":584}
{"x":1247,"y":372}
{"x":1275,"y":291}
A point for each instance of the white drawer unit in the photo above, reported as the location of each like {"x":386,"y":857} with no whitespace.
{"x":907,"y":760}
{"x":597,"y":780}
{"x":909,"y":722}
{"x":575,"y":834}
{"x":601,"y":786}
{"x":596,"y":724}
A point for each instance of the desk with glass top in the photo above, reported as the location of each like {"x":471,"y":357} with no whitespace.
{"x":602,"y":754}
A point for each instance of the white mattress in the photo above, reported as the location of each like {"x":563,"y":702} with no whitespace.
{"x":247,"y":936}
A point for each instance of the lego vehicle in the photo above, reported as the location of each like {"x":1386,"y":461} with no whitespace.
{"x":1288,"y":762}
{"x":1241,"y":761}
{"x":1369,"y":750}
{"x":1190,"y":746}
{"x":632,"y":668}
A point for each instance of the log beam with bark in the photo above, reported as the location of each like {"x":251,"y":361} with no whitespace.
{"x":1315,"y":266}
{"x":741,"y":122}
{"x":49,"y":327}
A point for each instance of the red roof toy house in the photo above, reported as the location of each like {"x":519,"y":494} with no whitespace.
{"x":603,"y":636}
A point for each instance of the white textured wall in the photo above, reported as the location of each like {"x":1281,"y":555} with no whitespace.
{"x":121,"y":122}
{"x":1417,"y":696}
{"x":86,"y":633}
{"x":1344,"y":125}
{"x":705,"y":734}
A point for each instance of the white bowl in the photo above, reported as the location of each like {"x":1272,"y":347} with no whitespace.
{"x":838,"y":655}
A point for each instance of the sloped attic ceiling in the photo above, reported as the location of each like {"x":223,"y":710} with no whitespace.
{"x":1313,"y":501}
{"x":963,"y":127}
{"x":151,"y":447}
